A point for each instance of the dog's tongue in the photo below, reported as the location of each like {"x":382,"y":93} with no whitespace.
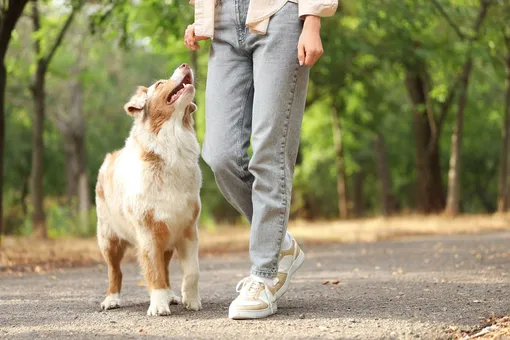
{"x":176,"y":96}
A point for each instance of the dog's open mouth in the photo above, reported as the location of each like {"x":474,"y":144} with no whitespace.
{"x":186,"y":83}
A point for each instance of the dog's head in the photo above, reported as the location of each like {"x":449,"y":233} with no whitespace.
{"x":164,"y":101}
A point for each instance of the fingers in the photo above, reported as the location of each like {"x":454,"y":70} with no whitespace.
{"x":309,"y":49}
{"x":188,"y":36}
{"x":312,"y":55}
{"x":190,"y":39}
{"x":301,"y":54}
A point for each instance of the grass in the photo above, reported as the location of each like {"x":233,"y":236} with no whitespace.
{"x":20,"y":254}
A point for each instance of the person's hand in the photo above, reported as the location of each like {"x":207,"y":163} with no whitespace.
{"x":191,"y":40}
{"x":310,"y":44}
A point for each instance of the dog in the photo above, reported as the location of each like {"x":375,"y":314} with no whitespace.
{"x":148,"y":194}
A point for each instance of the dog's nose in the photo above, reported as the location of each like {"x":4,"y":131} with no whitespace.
{"x":184,"y":66}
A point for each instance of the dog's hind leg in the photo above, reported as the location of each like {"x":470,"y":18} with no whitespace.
{"x":113,"y":250}
{"x":188,"y":254}
{"x":174,"y":299}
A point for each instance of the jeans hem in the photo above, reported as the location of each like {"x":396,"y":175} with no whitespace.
{"x":267,"y":274}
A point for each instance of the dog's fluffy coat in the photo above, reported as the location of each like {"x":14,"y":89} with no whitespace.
{"x":147,"y":194}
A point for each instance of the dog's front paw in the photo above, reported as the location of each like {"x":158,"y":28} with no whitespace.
{"x":112,"y":301}
{"x":191,"y":301}
{"x":173,"y":299}
{"x":159,"y":303}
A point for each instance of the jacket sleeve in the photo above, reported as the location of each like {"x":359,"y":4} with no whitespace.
{"x":320,"y":8}
{"x":204,"y":18}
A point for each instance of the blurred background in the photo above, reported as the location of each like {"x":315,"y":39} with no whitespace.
{"x":408,"y":110}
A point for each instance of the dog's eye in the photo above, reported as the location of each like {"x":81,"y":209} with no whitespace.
{"x":158,"y":83}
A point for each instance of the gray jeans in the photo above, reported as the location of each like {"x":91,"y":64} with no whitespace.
{"x":255,"y":87}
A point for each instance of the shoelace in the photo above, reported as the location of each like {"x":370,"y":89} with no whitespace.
{"x":252,"y":286}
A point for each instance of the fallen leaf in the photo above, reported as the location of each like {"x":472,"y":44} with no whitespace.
{"x":325,"y":282}
{"x":335,"y":282}
{"x":484,"y":331}
{"x":140,"y":283}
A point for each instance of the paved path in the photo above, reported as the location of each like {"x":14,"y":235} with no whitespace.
{"x":409,"y":289}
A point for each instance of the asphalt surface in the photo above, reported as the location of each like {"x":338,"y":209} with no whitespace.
{"x":408,"y":289}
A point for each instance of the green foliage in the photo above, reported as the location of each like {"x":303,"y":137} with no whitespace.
{"x":369,"y":46}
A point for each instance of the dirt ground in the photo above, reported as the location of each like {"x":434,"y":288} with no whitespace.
{"x":25,"y":254}
{"x":416,"y":288}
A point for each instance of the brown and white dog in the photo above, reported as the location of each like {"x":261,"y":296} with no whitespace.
{"x":147,"y":194}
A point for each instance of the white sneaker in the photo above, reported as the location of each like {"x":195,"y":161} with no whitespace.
{"x":256,"y":300}
{"x":289,"y":262}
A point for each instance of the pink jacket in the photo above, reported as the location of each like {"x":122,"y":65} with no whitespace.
{"x":259,"y":13}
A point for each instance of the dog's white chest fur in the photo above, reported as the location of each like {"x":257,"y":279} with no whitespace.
{"x":167,"y":186}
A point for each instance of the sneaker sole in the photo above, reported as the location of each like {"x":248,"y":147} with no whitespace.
{"x":252,"y":314}
{"x":295,"y":266}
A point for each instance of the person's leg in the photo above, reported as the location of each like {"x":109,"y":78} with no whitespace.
{"x":280,"y":94}
{"x":229,"y":100}
{"x":280,"y":86}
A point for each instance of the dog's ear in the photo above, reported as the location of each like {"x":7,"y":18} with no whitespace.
{"x":190,"y":109}
{"x":136,"y":104}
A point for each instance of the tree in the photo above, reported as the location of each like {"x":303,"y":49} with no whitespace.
{"x":404,"y":33}
{"x":384,"y":176}
{"x":70,"y":120}
{"x":43,"y":59}
{"x":430,"y":192}
{"x":504,"y":159}
{"x":341,"y":182}
{"x":67,"y":92}
{"x":453,"y":198}
{"x":10,"y":12}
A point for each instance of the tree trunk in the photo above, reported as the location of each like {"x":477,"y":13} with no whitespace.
{"x":81,"y":153}
{"x":83,"y":199}
{"x":343,"y":206}
{"x":71,"y":124}
{"x":78,"y":196}
{"x":24,"y":194}
{"x":77,"y":179}
{"x":71,"y":167}
{"x":39,"y":94}
{"x":504,"y":160}
{"x":383,"y":173}
{"x":3,"y":80}
{"x":453,"y":200}
{"x":71,"y":164}
{"x":357,"y":194}
{"x":37,"y":175}
{"x":10,"y":16}
{"x":430,"y":197}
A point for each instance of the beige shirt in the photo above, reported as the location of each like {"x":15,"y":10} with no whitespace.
{"x":259,"y":12}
